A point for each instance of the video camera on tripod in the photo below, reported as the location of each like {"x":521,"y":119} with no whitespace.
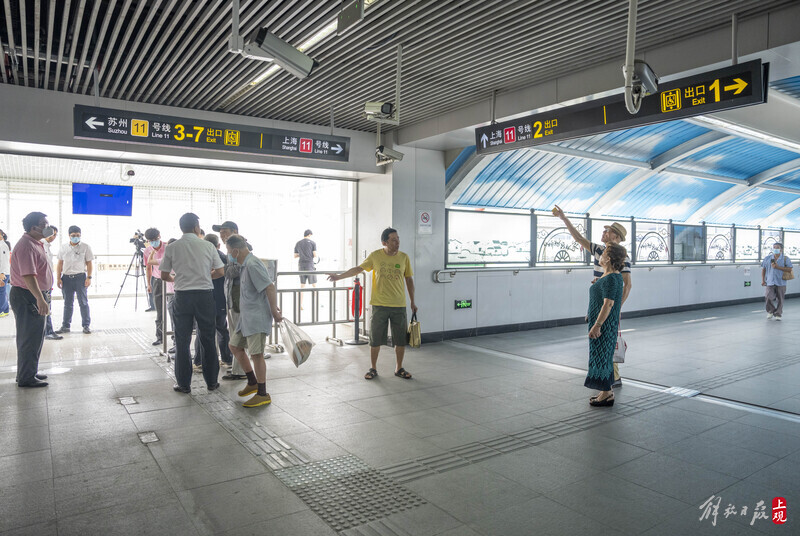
{"x":137,"y":263}
{"x":138,"y":240}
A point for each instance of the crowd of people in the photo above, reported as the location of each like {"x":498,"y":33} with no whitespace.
{"x":231,"y":297}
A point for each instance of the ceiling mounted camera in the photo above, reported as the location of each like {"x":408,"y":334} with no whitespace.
{"x":128,"y":173}
{"x":378,"y":110}
{"x":384,"y":155}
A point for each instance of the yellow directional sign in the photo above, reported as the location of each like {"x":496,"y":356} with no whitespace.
{"x":738,"y":86}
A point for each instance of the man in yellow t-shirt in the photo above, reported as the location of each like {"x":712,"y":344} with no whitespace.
{"x":391,"y":276}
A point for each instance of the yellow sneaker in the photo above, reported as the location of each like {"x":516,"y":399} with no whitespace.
{"x":249,"y":390}
{"x":257,"y":400}
{"x":3,"y":314}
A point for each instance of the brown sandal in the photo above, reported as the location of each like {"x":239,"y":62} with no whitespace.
{"x":371,"y":373}
{"x":403,"y":373}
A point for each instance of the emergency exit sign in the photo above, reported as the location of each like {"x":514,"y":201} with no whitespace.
{"x":463,"y":304}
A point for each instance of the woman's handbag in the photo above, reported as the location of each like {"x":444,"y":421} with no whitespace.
{"x":619,"y":351}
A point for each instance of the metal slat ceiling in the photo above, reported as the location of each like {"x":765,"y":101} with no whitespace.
{"x":174,"y":52}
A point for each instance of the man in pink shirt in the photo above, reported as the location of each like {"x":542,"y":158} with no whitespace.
{"x":153,"y":254}
{"x":31,"y":277}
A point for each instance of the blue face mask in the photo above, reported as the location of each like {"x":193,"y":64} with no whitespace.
{"x":155,"y":243}
{"x":232,"y":259}
{"x":75,"y":239}
{"x":776,"y":251}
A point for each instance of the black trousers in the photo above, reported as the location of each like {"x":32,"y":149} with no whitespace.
{"x":30,"y":333}
{"x":223,"y":340}
{"x":195,"y":306}
{"x":75,"y":285}
{"x":158,"y":292}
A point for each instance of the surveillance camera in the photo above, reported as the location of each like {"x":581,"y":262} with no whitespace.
{"x":129,"y":171}
{"x":645,"y":81}
{"x":378,"y":110}
{"x":384,"y":155}
{"x":265,"y":46}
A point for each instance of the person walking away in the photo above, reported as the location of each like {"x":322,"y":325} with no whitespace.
{"x":390,"y":268}
{"x":605,"y":302}
{"x":773,"y":267}
{"x":232,"y":293}
{"x":30,"y":273}
{"x":305,"y":251}
{"x":153,"y":254}
{"x":258,"y":306}
{"x":612,"y":234}
{"x":5,"y":276}
{"x":195,"y":263}
{"x":49,"y":332}
{"x":73,"y":277}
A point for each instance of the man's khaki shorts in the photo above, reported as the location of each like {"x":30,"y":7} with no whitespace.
{"x":382,"y":318}
{"x":254,"y":344}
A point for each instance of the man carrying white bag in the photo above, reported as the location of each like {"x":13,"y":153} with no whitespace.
{"x":298,"y":344}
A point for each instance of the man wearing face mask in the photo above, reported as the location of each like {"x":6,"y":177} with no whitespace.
{"x":30,"y":273}
{"x":772,"y":269}
{"x":153,"y":254}
{"x":73,"y":276}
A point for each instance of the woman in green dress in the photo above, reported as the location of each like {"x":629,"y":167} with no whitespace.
{"x":605,"y":301}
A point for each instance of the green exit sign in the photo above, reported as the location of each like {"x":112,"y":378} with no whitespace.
{"x":463,"y":304}
{"x":747,"y":283}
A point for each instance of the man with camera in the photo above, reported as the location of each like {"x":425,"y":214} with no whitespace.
{"x":153,"y":254}
{"x":195,"y":263}
{"x":73,"y":276}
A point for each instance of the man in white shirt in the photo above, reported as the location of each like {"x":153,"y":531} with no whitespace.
{"x":5,"y":277}
{"x":195,"y":263}
{"x":73,"y":276}
{"x":49,"y":333}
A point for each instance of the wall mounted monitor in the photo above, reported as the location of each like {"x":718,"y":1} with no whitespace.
{"x":102,"y":199}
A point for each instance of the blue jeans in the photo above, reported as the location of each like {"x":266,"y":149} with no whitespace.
{"x":4,"y":294}
{"x":75,"y":285}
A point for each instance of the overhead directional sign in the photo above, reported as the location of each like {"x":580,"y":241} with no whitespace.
{"x":134,"y":127}
{"x":713,"y":91}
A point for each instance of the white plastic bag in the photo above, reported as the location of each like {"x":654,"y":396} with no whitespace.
{"x":619,"y":351}
{"x":298,"y":344}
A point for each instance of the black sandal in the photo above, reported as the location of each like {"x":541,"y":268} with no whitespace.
{"x":371,"y":373}
{"x":403,"y":373}
{"x":596,"y":402}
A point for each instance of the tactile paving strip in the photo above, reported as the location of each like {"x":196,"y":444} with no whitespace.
{"x":271,"y":450}
{"x":743,"y":374}
{"x":346,"y":492}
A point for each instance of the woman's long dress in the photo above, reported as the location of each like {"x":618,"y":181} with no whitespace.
{"x":601,"y":350}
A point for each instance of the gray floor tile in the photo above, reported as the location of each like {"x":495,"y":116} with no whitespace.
{"x":688,"y":522}
{"x":26,"y":504}
{"x":429,"y":422}
{"x":689,"y":421}
{"x":539,"y":469}
{"x":753,"y":438}
{"x":641,"y":433}
{"x":770,"y":423}
{"x":18,"y":440}
{"x":39,"y":529}
{"x":725,"y":458}
{"x":424,"y":520}
{"x":239,"y":503}
{"x":12,"y":418}
{"x":595,"y":450}
{"x":80,"y":456}
{"x":463,"y":436}
{"x":304,"y":523}
{"x":782,"y":476}
{"x":314,"y":445}
{"x":389,"y":405}
{"x":470,"y":493}
{"x":462,"y":530}
{"x":678,"y":479}
{"x":26,"y":467}
{"x":165,"y":419}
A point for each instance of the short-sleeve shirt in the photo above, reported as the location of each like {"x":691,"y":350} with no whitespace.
{"x":5,"y":261}
{"x":29,"y":258}
{"x":159,"y":255}
{"x":192,"y":259}
{"x":388,"y":277}
{"x":255,"y":315}
{"x":48,"y":251}
{"x":305,"y":248}
{"x":597,"y":252}
{"x":773,"y":277}
{"x":75,"y":258}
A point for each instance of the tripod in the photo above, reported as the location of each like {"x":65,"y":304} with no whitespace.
{"x":138,"y":259}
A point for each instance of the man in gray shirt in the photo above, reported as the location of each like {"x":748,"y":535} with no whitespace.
{"x":195,"y":263}
{"x":305,"y":251}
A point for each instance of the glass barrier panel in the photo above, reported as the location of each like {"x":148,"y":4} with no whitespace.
{"x":555,"y":244}
{"x":746,"y":244}
{"x":791,"y":244}
{"x":688,"y":243}
{"x":719,"y":244}
{"x":769,"y":237}
{"x":652,"y":242}
{"x":481,"y":238}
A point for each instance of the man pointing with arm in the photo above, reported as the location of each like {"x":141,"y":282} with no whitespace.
{"x":391,"y":268}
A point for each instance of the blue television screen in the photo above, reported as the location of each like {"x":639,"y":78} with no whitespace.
{"x":102,"y":199}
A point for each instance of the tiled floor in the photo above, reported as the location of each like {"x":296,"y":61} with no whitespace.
{"x":493,"y":436}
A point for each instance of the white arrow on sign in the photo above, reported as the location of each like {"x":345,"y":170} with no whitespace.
{"x":338,"y":148}
{"x":93,"y":123}
{"x":484,"y":139}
